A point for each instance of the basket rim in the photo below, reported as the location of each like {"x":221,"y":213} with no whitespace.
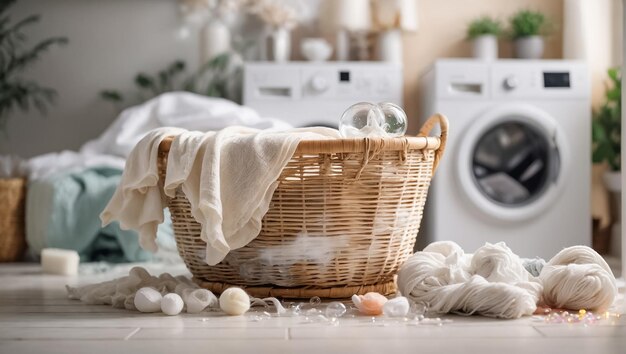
{"x":351,"y":145}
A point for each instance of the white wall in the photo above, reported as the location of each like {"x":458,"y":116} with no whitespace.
{"x":110,"y":41}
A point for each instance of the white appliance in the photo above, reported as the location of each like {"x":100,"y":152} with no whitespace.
{"x":518,"y":161}
{"x":308,"y":94}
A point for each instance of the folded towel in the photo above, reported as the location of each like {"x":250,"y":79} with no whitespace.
{"x":228,"y":177}
{"x":137,"y":202}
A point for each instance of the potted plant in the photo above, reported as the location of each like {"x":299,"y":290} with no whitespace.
{"x":606,"y":136}
{"x":484,"y":33}
{"x":527,"y":30}
{"x":17,"y":94}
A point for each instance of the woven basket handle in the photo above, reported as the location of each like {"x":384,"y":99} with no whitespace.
{"x":443,"y":136}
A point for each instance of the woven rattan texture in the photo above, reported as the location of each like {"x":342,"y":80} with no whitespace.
{"x":12,"y":237}
{"x":339,"y":223}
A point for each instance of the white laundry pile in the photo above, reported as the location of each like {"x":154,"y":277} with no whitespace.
{"x":228,"y":177}
{"x":176,"y":109}
{"x":173,"y":109}
{"x":493,"y":281}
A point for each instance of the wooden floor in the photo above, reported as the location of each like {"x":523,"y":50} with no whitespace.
{"x":37,"y":317}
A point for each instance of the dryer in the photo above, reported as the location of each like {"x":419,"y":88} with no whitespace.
{"x":518,"y":161}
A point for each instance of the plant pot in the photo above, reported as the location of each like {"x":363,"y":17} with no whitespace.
{"x":613,"y":183}
{"x":530,"y":47}
{"x":281,"y":44}
{"x":485,"y":47}
{"x":390,"y":46}
{"x":215,"y":39}
{"x":12,"y":236}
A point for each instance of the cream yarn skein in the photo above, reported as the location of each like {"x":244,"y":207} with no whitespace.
{"x":445,"y":278}
{"x":578,"y":278}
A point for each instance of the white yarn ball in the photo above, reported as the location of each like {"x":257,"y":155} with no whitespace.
{"x":444,"y":248}
{"x":172,"y":304}
{"x":234,"y":301}
{"x":497,"y":263}
{"x":199,"y":299}
{"x":396,"y":307}
{"x":148,"y":300}
{"x":578,"y":278}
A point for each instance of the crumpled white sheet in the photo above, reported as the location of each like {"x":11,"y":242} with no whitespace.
{"x":176,"y":109}
{"x":173,"y":109}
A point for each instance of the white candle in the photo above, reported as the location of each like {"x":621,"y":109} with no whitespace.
{"x":58,"y":261}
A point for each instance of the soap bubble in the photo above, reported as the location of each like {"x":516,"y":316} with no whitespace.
{"x":315,"y":300}
{"x":335,"y":309}
{"x":362,"y":119}
{"x":395,"y":120}
{"x":366,"y":119}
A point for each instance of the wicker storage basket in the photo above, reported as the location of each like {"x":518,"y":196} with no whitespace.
{"x":12,"y":237}
{"x":344,"y":217}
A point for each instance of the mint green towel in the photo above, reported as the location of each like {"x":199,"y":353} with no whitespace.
{"x":63,"y":211}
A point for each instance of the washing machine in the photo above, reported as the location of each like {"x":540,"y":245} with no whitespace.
{"x":317,"y":93}
{"x":517,"y":165}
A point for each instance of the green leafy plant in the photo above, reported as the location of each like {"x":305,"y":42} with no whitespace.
{"x":17,"y":93}
{"x":484,"y":26}
{"x":212,"y":79}
{"x":606,"y":125}
{"x":529,"y":23}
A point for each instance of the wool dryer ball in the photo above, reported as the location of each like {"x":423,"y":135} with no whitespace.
{"x":234,"y":301}
{"x":172,"y":304}
{"x":148,"y":300}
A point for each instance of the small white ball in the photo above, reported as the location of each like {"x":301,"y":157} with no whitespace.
{"x":199,"y":299}
{"x":234,"y":301}
{"x":148,"y":300}
{"x":396,"y":307}
{"x":172,"y":304}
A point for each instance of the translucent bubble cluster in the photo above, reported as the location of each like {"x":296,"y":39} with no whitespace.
{"x":335,"y":309}
{"x":365,"y":119}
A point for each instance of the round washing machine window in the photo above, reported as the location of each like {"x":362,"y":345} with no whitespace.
{"x":511,"y":162}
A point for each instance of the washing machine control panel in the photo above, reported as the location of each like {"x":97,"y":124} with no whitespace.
{"x":547,"y":79}
{"x":461,"y":79}
{"x":308,"y":93}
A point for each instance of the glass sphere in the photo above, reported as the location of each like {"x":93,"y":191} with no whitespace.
{"x":335,"y":309}
{"x":362,"y":119}
{"x":395,"y":120}
{"x":315,"y":300}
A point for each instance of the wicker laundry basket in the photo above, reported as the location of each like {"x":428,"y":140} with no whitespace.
{"x":344,"y":217}
{"x":12,"y":237}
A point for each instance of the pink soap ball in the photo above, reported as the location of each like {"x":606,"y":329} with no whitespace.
{"x":369,"y":304}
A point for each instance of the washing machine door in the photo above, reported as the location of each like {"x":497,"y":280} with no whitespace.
{"x":512,"y":162}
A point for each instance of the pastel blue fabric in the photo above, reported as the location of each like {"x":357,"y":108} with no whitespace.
{"x":63,"y":211}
